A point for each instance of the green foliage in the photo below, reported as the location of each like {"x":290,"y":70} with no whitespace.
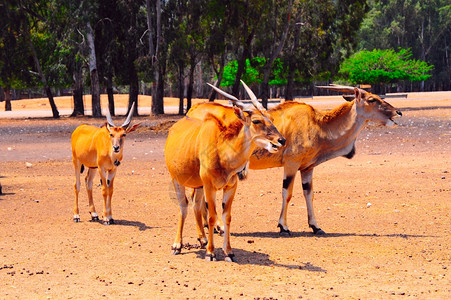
{"x":384,"y":66}
{"x":254,"y":72}
{"x":422,"y":26}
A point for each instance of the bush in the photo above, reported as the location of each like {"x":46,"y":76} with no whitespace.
{"x":384,"y":66}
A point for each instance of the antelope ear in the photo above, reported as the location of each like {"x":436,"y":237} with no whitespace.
{"x":133,"y":128}
{"x":239,"y":113}
{"x":358,"y":95}
{"x":348,"y":98}
{"x":108,"y":126}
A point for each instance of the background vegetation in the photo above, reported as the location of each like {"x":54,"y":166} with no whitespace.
{"x":171,"y":48}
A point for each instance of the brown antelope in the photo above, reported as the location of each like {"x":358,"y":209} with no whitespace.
{"x":313,"y":137}
{"x":102,"y":149}
{"x":207,"y":154}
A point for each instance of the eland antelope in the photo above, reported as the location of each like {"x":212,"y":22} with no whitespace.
{"x":102,"y":149}
{"x":207,"y":154}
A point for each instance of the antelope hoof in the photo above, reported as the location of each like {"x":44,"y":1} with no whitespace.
{"x":108,"y":222}
{"x":242,"y":175}
{"x":203,"y":244}
{"x":317,"y":231}
{"x":230,"y":258}
{"x":95,"y":219}
{"x":219,"y":230}
{"x":176,"y":251}
{"x":76,"y":220}
{"x":283,"y":231}
{"x":210,"y":257}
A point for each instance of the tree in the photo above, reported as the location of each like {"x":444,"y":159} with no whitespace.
{"x":196,"y":45}
{"x":95,"y":85}
{"x":276,"y":28}
{"x":14,"y":53}
{"x":247,"y":15}
{"x":177,"y":39}
{"x":422,"y":26}
{"x":129,"y":27}
{"x":384,"y":66}
{"x":215,"y":24}
{"x":33,"y":14}
{"x":324,"y":33}
{"x":157,"y":60}
{"x":106,"y":44}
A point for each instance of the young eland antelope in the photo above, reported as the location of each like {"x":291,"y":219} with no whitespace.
{"x":102,"y":149}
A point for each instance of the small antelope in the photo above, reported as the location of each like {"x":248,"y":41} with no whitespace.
{"x":102,"y":149}
{"x":207,"y":154}
{"x":313,"y":137}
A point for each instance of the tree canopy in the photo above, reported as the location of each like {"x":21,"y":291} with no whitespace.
{"x":424,"y":27}
{"x":168,"y":48}
{"x":384,"y":66}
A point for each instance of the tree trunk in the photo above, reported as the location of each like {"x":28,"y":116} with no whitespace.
{"x":52,"y":102}
{"x":189,"y":93}
{"x":269,"y":63}
{"x":158,"y":98}
{"x":181,"y":88}
{"x":110,"y":92}
{"x":239,"y":72}
{"x":289,"y":87}
{"x":55,"y":112}
{"x":48,"y":92}
{"x":158,"y":83}
{"x":149,"y":29}
{"x":6,"y":90}
{"x":244,"y":55}
{"x":77,"y":91}
{"x":134,"y":90}
{"x":219,"y":75}
{"x":95,"y":85}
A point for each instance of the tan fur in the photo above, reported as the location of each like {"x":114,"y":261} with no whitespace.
{"x":92,"y":147}
{"x":206,"y":155}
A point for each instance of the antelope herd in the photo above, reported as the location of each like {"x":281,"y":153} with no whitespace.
{"x":212,"y":147}
{"x":313,"y":137}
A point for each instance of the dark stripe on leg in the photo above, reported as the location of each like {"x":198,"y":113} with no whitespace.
{"x":350,"y":154}
{"x":287,"y":181}
{"x":306,"y":186}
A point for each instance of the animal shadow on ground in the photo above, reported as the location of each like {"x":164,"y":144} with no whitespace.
{"x":244,"y":257}
{"x":276,"y":235}
{"x":140,"y":225}
{"x":3,"y":195}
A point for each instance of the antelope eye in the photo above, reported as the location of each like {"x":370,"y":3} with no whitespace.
{"x":371,"y":100}
{"x":124,"y":135}
{"x":111,"y":135}
{"x":256,"y":122}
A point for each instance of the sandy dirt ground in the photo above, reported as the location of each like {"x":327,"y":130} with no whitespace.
{"x":386,"y":212}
